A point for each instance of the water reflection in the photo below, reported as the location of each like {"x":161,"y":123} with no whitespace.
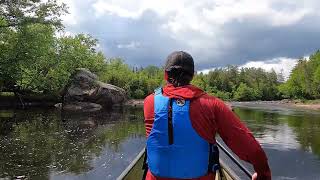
{"x":43,"y":144}
{"x":291,"y":139}
{"x":289,"y":128}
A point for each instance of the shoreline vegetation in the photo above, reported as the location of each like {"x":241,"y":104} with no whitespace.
{"x":37,"y":63}
{"x":313,"y":105}
{"x":286,"y":103}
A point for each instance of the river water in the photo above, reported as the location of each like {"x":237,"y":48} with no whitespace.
{"x":47,"y":144}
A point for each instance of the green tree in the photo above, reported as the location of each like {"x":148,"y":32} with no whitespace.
{"x":244,"y":93}
{"x":116,"y":72}
{"x":19,"y":13}
{"x":72,"y":52}
{"x":8,"y":65}
{"x":316,"y":82}
{"x":21,"y":21}
{"x":300,"y":83}
{"x":200,"y":81}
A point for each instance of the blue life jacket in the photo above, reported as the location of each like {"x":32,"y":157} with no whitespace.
{"x":174,"y":148}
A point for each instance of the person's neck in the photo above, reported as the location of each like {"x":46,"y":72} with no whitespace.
{"x":171,"y":84}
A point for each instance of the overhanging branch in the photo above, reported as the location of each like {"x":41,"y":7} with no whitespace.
{"x":34,"y":21}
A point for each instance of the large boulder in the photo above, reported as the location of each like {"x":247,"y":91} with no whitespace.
{"x":85,"y":86}
{"x":79,"y":106}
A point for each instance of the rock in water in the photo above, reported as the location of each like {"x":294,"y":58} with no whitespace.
{"x":79,"y":106}
{"x":84,"y":86}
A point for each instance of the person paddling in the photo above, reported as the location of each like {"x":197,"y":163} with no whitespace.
{"x":181,"y":123}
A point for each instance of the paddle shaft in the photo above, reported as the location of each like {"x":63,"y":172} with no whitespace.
{"x":245,"y":170}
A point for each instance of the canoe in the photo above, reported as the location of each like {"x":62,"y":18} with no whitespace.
{"x":134,"y":170}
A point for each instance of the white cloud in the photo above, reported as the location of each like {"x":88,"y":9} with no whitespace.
{"x":215,"y":32}
{"x":281,"y":137}
{"x":206,"y":71}
{"x":199,"y":15}
{"x":129,"y":9}
{"x":64,"y":33}
{"x":131,"y":45}
{"x":279,"y":65}
{"x":203,"y":14}
{"x":102,"y":7}
{"x":239,"y":10}
{"x":71,"y":17}
{"x":205,"y":19}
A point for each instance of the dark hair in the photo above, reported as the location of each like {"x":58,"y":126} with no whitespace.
{"x":179,"y":77}
{"x":179,"y":68}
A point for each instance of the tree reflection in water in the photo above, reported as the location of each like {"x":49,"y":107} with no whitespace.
{"x":289,"y":137}
{"x":45,"y":144}
{"x":34,"y":143}
{"x":304,"y":124}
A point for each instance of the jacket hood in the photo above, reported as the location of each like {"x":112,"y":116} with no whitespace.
{"x":182,"y":92}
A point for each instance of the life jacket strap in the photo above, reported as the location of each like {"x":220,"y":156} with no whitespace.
{"x":213,"y":164}
{"x":158,"y":91}
{"x":145,"y":167}
{"x":170,"y":123}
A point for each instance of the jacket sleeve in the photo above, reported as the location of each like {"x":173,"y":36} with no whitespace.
{"x":148,"y":110}
{"x":240,"y":139}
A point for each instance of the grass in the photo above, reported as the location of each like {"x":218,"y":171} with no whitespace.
{"x":315,"y":101}
{"x":6,"y":114}
{"x":7,"y":94}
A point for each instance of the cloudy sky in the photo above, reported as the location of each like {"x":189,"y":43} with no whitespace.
{"x":264,"y":33}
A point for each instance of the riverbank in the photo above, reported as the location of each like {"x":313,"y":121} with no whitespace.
{"x":311,"y":104}
{"x":292,"y":104}
{"x":135,"y":103}
{"x":10,"y":101}
{"x":296,"y":104}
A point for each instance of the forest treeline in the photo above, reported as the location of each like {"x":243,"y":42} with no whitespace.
{"x":37,"y":58}
{"x":247,"y":84}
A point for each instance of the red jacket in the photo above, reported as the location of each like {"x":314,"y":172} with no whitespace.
{"x":209,"y":115}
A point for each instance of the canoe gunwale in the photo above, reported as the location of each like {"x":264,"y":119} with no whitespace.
{"x":131,"y":165}
{"x":226,"y":169}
